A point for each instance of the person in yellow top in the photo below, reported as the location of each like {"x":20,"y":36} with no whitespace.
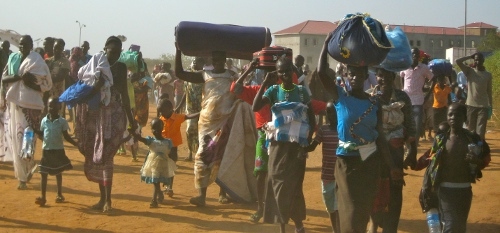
{"x":442,"y":97}
{"x":172,"y":130}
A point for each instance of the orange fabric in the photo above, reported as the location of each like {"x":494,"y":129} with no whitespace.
{"x":172,"y":128}
{"x":441,"y":96}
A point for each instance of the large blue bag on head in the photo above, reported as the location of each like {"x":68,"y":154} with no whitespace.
{"x":359,"y":40}
{"x":441,"y":67}
{"x":399,"y":58}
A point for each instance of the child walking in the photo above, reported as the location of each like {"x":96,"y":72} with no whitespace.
{"x":441,"y":92}
{"x":54,"y":160}
{"x":327,"y":135}
{"x":158,"y":167}
{"x":457,"y":157}
{"x":172,"y":129}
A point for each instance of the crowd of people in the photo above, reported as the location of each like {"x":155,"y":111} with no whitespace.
{"x":249,"y":130}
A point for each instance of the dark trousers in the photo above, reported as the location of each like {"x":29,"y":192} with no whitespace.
{"x":454,"y":206}
{"x":438,"y":116}
{"x":477,"y":118}
{"x":356,"y":190}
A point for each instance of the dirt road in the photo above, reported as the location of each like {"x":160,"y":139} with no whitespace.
{"x":18,"y":212}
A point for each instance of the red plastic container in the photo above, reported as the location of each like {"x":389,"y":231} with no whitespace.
{"x":269,"y":55}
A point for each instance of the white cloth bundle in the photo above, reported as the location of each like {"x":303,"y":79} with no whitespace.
{"x":90,"y":73}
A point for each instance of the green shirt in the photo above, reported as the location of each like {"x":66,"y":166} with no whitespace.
{"x":53,"y":133}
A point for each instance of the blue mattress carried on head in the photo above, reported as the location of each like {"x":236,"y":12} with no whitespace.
{"x":200,"y":39}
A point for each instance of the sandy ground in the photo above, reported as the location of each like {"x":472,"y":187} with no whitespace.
{"x":131,"y":213}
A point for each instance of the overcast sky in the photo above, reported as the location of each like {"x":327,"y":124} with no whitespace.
{"x":151,"y":23}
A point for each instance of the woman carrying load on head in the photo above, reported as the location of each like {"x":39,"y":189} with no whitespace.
{"x":362,"y":145}
{"x":226,"y":132}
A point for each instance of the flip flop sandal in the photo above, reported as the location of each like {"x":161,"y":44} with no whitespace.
{"x":40,"y":201}
{"x":255,"y":217}
{"x":107,"y":208}
{"x":60,"y":199}
{"x":223,"y":200}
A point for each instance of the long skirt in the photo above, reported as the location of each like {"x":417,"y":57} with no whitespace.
{"x":16,"y":119}
{"x":284,"y":195}
{"x":100,"y":132}
{"x":141,"y":108}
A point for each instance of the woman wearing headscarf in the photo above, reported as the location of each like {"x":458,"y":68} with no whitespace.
{"x":99,"y":128}
{"x":24,"y":80}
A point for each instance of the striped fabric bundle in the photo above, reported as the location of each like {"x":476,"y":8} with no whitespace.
{"x":289,"y":124}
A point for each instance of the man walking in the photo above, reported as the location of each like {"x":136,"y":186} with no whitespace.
{"x":479,"y":93}
{"x":413,"y":81}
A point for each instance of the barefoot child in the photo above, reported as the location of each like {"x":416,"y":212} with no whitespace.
{"x":172,"y":129}
{"x":327,"y":135}
{"x":158,"y":167}
{"x":461,"y":155}
{"x":54,"y":160}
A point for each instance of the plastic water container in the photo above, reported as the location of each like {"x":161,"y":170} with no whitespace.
{"x":27,"y":149}
{"x":433,"y":221}
{"x":474,"y":149}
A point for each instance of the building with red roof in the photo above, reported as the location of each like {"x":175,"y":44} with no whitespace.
{"x":307,"y":38}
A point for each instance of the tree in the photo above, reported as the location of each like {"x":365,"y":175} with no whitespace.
{"x":491,"y":64}
{"x":489,"y":43}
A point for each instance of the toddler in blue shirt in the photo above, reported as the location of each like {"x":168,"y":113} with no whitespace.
{"x":54,"y":160}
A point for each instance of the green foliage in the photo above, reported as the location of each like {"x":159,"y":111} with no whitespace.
{"x":489,"y":43}
{"x":492,"y":64}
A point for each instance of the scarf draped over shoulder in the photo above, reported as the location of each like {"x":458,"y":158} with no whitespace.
{"x":18,"y":93}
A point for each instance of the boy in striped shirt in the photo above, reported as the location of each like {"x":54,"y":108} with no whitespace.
{"x":327,"y":134}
